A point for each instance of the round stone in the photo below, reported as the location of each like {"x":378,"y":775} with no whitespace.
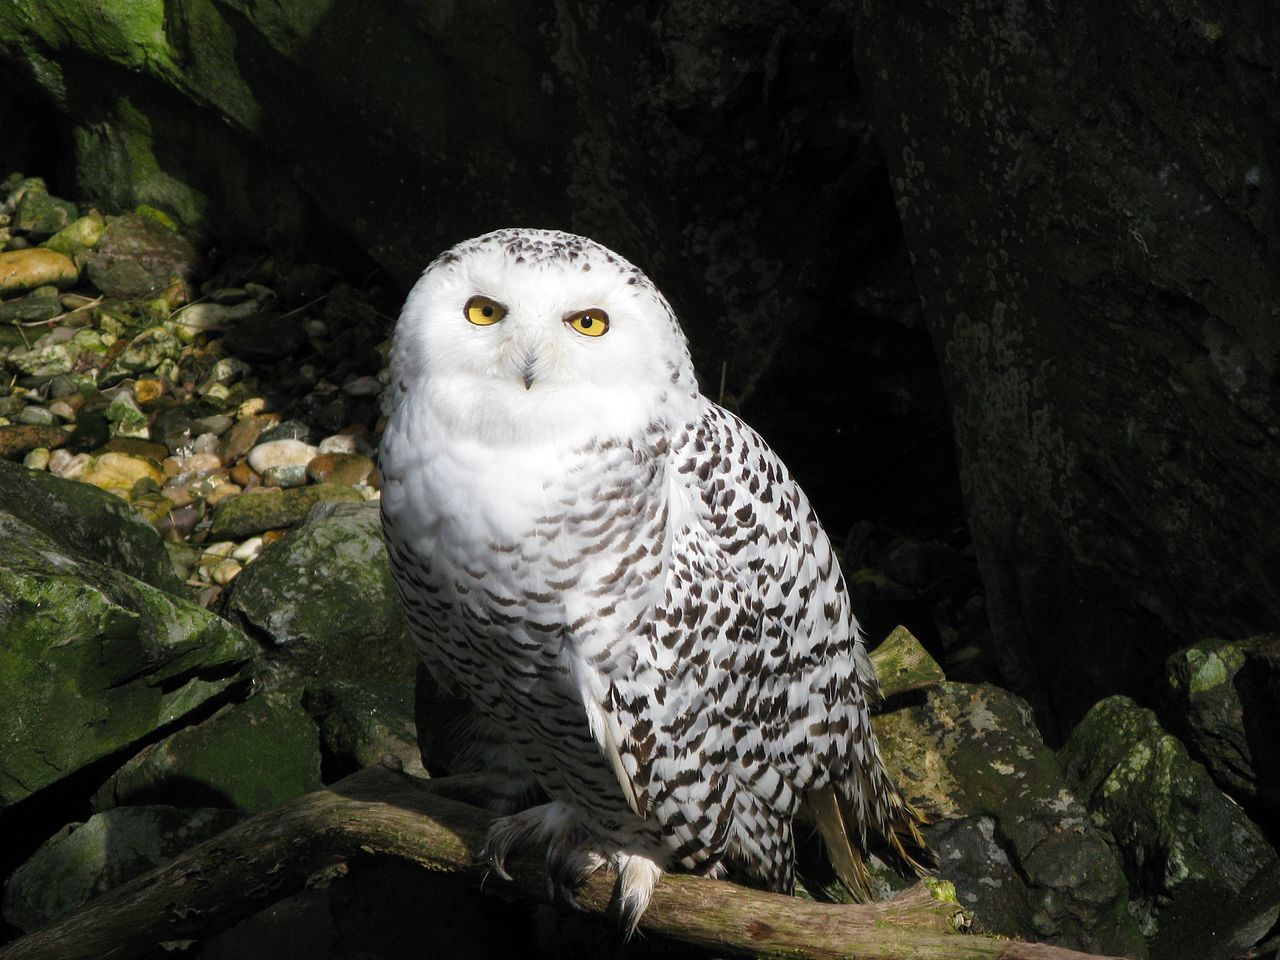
{"x":34,"y":267}
{"x":68,"y":465}
{"x":348,"y":469}
{"x":280,"y":453}
{"x":119,"y":473}
{"x":224,"y":572}
{"x":62,"y":410}
{"x":37,"y":459}
{"x":339,"y":443}
{"x":38,"y":415}
{"x":285,"y":475}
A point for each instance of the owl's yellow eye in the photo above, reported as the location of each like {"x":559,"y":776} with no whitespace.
{"x":482,"y":311}
{"x":592,"y":322}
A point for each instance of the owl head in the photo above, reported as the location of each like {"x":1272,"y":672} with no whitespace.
{"x":526,"y":335}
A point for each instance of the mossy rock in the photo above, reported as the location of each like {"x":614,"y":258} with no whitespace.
{"x":237,"y":517}
{"x":39,"y":216}
{"x":363,"y":721}
{"x":93,"y":661}
{"x":323,"y":601}
{"x":88,"y":859}
{"x":1005,"y":828}
{"x":1228,"y":699}
{"x":88,"y":522}
{"x":1206,"y":883}
{"x":903,"y":664}
{"x":249,"y":756}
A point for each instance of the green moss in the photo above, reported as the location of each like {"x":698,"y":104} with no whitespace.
{"x":128,"y":32}
{"x":251,"y":756}
{"x":242,"y":516}
{"x":117,"y":164}
{"x":902,"y":663}
{"x":1185,"y":843}
{"x":92,"y":661}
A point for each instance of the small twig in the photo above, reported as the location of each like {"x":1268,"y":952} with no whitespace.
{"x":62,"y":316}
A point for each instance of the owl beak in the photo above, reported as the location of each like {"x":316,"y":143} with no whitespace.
{"x":527,"y":373}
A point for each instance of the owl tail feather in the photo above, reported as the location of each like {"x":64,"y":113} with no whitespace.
{"x":825,"y":805}
{"x":837,"y":819}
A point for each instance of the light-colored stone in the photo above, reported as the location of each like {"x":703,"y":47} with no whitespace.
{"x":362,"y":387}
{"x":62,"y":410}
{"x":280,"y":453}
{"x":68,"y":465}
{"x":34,"y":267}
{"x":226,"y":571}
{"x":41,"y":416}
{"x":119,"y":472}
{"x":338,"y":443}
{"x":37,"y":459}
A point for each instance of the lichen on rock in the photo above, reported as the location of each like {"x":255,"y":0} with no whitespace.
{"x":1185,"y":844}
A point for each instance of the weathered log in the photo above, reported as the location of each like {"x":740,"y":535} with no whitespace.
{"x":383,"y":813}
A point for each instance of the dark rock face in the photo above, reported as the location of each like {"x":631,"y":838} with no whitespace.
{"x":1089,"y":197}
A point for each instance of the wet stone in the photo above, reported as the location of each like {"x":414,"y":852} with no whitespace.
{"x":253,"y":513}
{"x":22,"y":270}
{"x":285,"y":475}
{"x":138,"y":257}
{"x":19,"y":439}
{"x":218,"y":424}
{"x":118,"y":473}
{"x":38,"y":216}
{"x":38,"y":415}
{"x":31,"y":309}
{"x":287,"y":430}
{"x":37,"y":459}
{"x":347,"y":469}
{"x":80,"y":234}
{"x":280,"y":453}
{"x":241,"y":437}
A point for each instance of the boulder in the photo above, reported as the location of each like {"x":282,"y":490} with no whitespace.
{"x":1005,"y":827}
{"x":323,"y":602}
{"x":1206,"y":883}
{"x":1227,"y":695}
{"x":88,"y":859}
{"x":93,"y":661}
{"x":1098,"y":276}
{"x":238,"y":517}
{"x":38,"y":216}
{"x":138,"y":257}
{"x":88,"y":522}
{"x":363,"y":721}
{"x":249,"y":756}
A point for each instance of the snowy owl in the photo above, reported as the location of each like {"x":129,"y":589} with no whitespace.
{"x":623,"y":579}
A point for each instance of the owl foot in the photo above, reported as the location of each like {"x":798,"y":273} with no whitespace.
{"x":571,"y":858}
{"x":573,"y":855}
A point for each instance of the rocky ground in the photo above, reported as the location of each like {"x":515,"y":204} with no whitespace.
{"x":197,"y":623}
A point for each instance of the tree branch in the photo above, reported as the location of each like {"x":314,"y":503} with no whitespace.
{"x":380,"y":812}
